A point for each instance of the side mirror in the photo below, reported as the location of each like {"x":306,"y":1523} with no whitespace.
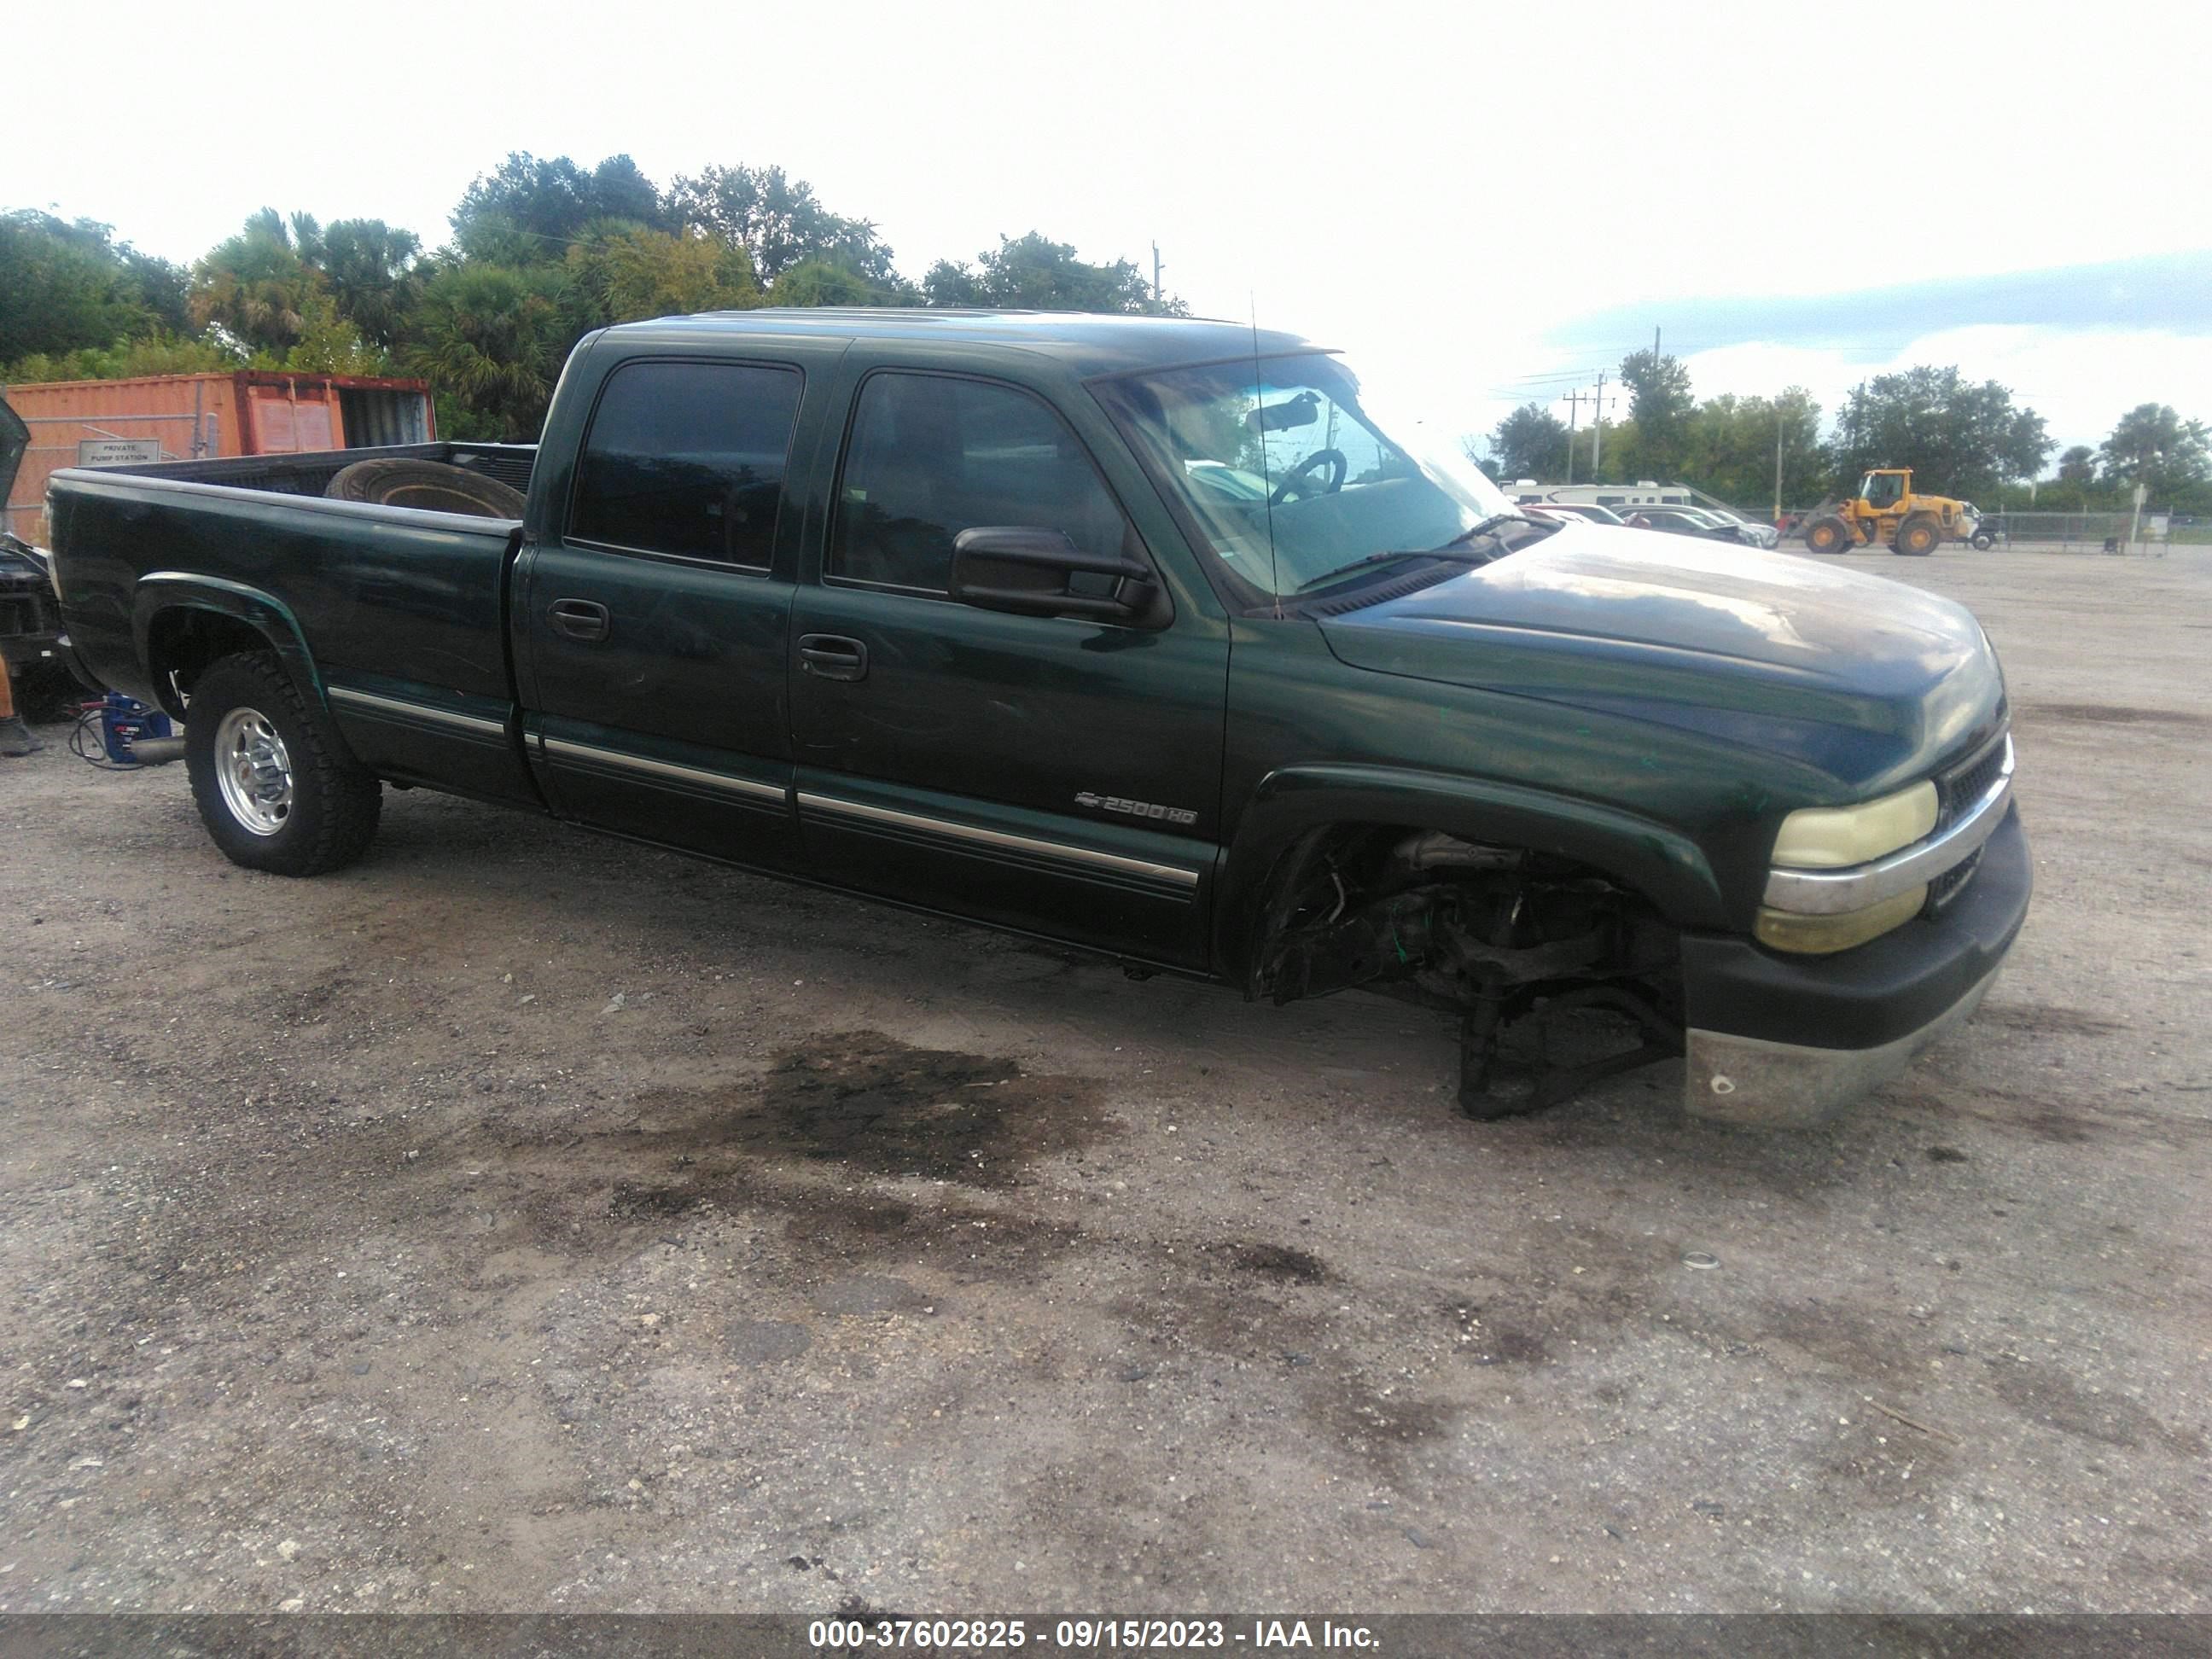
{"x":1035,"y":572}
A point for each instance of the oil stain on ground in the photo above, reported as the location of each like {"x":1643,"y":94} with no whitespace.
{"x":872,"y":1104}
{"x":868,"y":1102}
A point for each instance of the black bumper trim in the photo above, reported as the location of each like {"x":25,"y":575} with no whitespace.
{"x":1878,"y":992}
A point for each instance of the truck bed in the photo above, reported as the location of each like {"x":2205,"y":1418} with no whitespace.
{"x":405,"y":608}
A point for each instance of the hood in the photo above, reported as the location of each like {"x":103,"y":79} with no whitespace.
{"x":15,"y":438}
{"x":1867,"y":680}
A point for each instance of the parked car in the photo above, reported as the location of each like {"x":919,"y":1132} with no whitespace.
{"x":946,"y":609}
{"x":1589,"y":513}
{"x":1690,"y":521}
{"x":30,"y":618}
{"x":1756,"y":532}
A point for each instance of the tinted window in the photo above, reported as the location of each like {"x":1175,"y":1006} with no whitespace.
{"x":688,"y":457}
{"x":930,"y":457}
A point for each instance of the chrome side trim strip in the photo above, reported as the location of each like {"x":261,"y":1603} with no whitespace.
{"x":751,"y":788}
{"x":836,"y":807}
{"x":372,"y":703}
{"x":1830,"y":892}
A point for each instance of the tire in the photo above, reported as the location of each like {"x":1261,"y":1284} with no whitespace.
{"x":1829,"y":535}
{"x":1983,"y":541}
{"x":1918,"y":536}
{"x":272,"y":779}
{"x":432,"y":486}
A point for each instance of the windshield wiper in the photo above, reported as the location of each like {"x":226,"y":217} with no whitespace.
{"x":1443,"y":553}
{"x":1488,"y":527}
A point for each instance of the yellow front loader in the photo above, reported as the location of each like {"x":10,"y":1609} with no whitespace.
{"x":1886,"y":512}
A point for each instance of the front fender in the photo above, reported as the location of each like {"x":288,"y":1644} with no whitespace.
{"x":163,"y":591}
{"x":1664,"y":866}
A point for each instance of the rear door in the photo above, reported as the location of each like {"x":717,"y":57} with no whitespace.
{"x":651,"y":618}
{"x":1057,"y":774}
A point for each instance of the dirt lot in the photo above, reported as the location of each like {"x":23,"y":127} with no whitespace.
{"x":523,"y":1220}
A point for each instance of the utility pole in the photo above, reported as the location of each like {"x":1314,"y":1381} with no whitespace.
{"x":1655,"y":344}
{"x":1778,"y":464}
{"x":1574,"y":411}
{"x":1597,"y":427}
{"x":1156,"y":273}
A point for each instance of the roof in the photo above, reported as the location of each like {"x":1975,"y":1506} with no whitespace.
{"x":1089,"y":342}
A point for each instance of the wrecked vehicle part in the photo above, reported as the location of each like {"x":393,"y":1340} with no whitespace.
{"x":1518,"y":943}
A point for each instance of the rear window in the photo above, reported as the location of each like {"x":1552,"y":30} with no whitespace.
{"x":688,"y":459}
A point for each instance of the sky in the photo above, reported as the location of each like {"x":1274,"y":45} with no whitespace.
{"x":1485,"y":204}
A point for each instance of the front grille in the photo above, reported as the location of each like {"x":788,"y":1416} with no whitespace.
{"x":1957,"y":791}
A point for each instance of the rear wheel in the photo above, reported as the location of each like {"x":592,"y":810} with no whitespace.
{"x":1919,"y":536}
{"x":272,"y":779}
{"x":1828,"y":535}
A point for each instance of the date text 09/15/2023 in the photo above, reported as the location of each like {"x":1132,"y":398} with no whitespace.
{"x":1089,"y":1635}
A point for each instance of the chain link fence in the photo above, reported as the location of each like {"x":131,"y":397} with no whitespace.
{"x":2081,"y":532}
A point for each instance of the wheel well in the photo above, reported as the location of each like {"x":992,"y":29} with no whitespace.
{"x":1426,"y":909}
{"x":185,"y":641}
{"x":1561,"y":973}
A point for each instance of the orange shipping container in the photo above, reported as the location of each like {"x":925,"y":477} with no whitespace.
{"x":180,"y":417}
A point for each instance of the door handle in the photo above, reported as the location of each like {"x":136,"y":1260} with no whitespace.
{"x":579,"y":619}
{"x":832,"y":657}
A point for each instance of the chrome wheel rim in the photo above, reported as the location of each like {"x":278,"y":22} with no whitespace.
{"x":254,"y":771}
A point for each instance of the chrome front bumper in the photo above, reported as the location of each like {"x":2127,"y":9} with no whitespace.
{"x":1783,"y":1042}
{"x":1790,"y":1085}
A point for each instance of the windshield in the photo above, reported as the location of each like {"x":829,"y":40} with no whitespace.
{"x":1290,"y":472}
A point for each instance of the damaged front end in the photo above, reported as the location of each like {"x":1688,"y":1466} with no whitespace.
{"x":1524,"y":947}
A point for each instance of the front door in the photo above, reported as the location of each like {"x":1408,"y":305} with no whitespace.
{"x":652,"y":618}
{"x":1057,"y":774}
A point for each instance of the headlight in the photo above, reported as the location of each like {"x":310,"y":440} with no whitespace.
{"x":1836,"y":838}
{"x":1833,"y":837}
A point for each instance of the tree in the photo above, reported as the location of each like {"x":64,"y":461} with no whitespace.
{"x":1659,"y":404}
{"x":255,"y":285}
{"x":67,"y":286}
{"x":1729,"y":447}
{"x":371,"y":269}
{"x":2078,"y":467}
{"x":2153,"y":446}
{"x":1530,"y":443}
{"x":127,"y":360}
{"x":780,"y":221}
{"x":823,"y":283}
{"x":329,"y":344}
{"x":1033,"y":273}
{"x":491,"y":340}
{"x":1959,"y":438}
{"x":621,"y":273}
{"x":527,"y":210}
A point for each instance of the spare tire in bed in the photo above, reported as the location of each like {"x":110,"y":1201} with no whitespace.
{"x":433,"y":486}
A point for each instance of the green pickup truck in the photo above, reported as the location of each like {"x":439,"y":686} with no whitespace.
{"x":1154,"y":637}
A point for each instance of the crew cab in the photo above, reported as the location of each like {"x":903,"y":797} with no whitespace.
{"x":1145,"y":636}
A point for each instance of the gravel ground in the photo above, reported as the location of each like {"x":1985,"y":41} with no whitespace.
{"x":522,"y":1220}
